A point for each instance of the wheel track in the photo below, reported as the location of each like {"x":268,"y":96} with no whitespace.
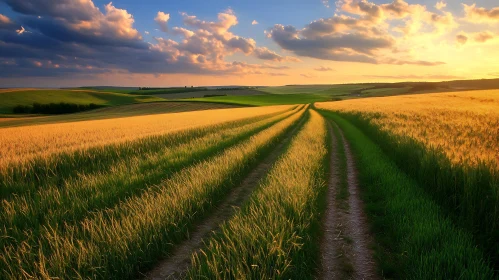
{"x":346,"y":252}
{"x":175,"y":265}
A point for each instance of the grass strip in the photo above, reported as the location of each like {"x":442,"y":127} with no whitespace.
{"x":343,"y":193}
{"x":274,"y":236}
{"x":118,"y":242}
{"x":415,"y":238}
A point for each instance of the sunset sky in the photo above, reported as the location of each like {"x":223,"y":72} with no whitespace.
{"x":47,"y":43}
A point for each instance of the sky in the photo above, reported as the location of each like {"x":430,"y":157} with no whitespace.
{"x":58,"y":43}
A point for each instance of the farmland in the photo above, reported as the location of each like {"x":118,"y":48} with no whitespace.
{"x":448,"y":144}
{"x":139,"y":109}
{"x":11,"y":99}
{"x":297,"y":186}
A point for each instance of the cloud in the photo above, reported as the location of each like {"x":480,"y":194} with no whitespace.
{"x":412,"y":18}
{"x":146,"y":32}
{"x":325,"y":3}
{"x":69,"y":41}
{"x":479,"y":14}
{"x":461,"y":39}
{"x":440,"y":5}
{"x":69,"y":10}
{"x":266,"y":54}
{"x":162,"y":20}
{"x":479,"y":37}
{"x":442,"y":23}
{"x":323,"y":69}
{"x":415,"y":77}
{"x":366,"y":37}
{"x":412,"y":62}
{"x":20,"y":31}
{"x":226,"y":20}
{"x":483,"y":37}
{"x":339,"y":47}
{"x":276,"y":74}
{"x":308,"y":76}
{"x":5,"y":21}
{"x":254,"y":22}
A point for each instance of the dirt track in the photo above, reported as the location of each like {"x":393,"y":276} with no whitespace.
{"x":345,"y":249}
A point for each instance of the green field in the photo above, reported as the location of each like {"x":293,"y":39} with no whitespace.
{"x":384,"y":91}
{"x":266,"y":100}
{"x":28,"y":97}
{"x":315,"y":89}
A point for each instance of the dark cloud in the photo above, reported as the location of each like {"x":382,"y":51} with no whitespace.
{"x":71,"y":10}
{"x":341,"y":47}
{"x":74,"y":37}
{"x":266,"y":54}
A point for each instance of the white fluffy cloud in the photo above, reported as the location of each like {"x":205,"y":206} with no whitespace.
{"x":162,"y":20}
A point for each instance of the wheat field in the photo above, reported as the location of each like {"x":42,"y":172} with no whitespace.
{"x":464,"y":125}
{"x":21,"y":144}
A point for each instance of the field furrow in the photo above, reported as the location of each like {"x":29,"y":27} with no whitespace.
{"x":272,"y":236}
{"x":117,"y":242}
{"x":177,"y":263}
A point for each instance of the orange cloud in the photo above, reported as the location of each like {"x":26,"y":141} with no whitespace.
{"x":479,"y":14}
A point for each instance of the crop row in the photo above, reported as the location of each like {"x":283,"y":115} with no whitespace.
{"x":275,"y":235}
{"x":112,"y":224}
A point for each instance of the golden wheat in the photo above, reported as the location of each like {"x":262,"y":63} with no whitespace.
{"x":465,"y":125}
{"x":265,"y":240}
{"x":102,"y":244}
{"x":18,"y":144}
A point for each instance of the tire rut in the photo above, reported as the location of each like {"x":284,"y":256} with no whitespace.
{"x":346,"y":252}
{"x":175,"y":265}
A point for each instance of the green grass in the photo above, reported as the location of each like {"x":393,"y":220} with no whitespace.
{"x":108,"y":89}
{"x":384,"y":91}
{"x":113,"y":217}
{"x":28,"y":97}
{"x":343,"y":193}
{"x":266,"y":100}
{"x":415,"y":239}
{"x":315,"y":89}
